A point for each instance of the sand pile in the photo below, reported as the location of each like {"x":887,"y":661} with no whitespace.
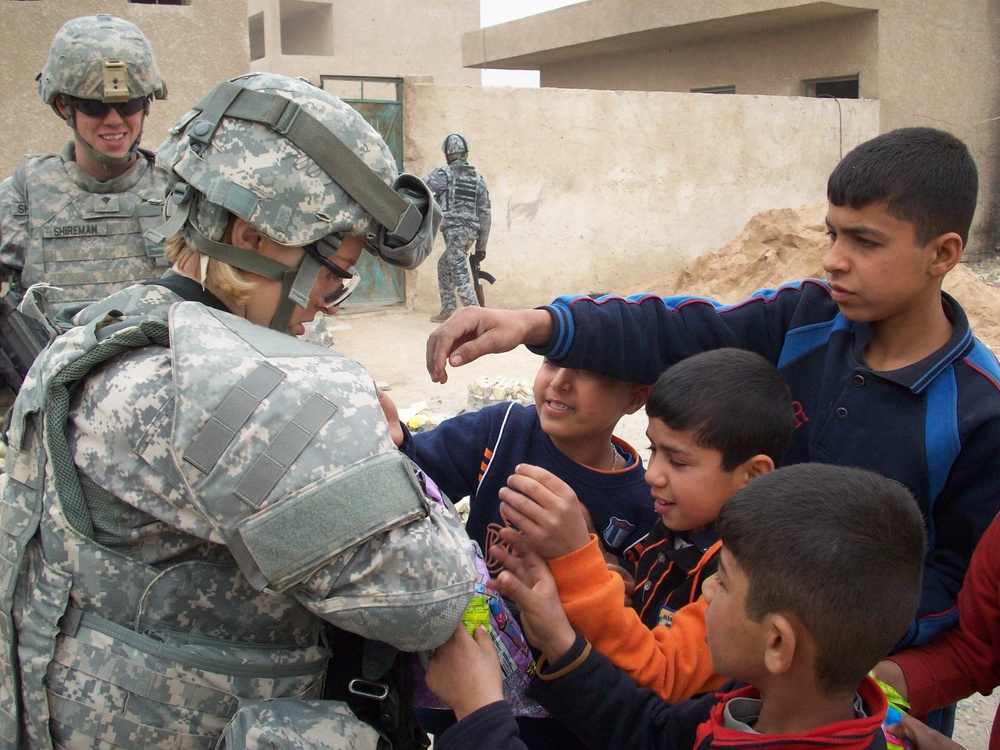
{"x":788,"y":244}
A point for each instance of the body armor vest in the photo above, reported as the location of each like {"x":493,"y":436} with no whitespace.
{"x":101,"y":646}
{"x":89,"y":244}
{"x":463,"y":191}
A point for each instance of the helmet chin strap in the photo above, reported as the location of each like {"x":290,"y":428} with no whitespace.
{"x":296,"y":281}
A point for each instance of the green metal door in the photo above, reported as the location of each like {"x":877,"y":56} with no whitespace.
{"x":380,"y":102}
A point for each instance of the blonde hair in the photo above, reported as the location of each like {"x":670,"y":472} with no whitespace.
{"x":221,"y":278}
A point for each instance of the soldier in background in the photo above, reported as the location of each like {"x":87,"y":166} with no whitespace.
{"x":191,"y":496}
{"x":75,"y":219}
{"x":462,"y":194}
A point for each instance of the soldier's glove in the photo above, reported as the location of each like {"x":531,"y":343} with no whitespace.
{"x":479,"y":256}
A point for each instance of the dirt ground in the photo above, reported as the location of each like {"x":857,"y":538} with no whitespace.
{"x":775,"y":247}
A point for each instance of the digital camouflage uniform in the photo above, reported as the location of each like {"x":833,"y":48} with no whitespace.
{"x":209,"y":505}
{"x":83,"y":236}
{"x":59,"y":223}
{"x":465,"y":201}
{"x":191,"y":497}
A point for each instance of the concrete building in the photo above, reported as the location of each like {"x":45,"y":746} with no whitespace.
{"x":927,"y":62}
{"x":388,"y":38}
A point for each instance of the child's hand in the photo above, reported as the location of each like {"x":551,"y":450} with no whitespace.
{"x":527,"y":580}
{"x":627,"y":578}
{"x":465,"y":673}
{"x":922,"y":736}
{"x":392,"y":415}
{"x":545,"y":509}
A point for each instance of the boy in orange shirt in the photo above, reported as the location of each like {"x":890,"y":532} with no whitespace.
{"x":716,"y":420}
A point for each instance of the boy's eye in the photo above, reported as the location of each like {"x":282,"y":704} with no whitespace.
{"x":832,"y":235}
{"x":677,"y":464}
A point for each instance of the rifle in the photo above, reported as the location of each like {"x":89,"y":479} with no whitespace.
{"x":478,"y":276}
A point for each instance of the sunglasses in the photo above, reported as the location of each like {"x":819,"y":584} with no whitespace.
{"x":344,"y":291}
{"x":94,"y":108}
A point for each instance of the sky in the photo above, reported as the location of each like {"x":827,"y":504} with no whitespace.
{"x":492,"y":12}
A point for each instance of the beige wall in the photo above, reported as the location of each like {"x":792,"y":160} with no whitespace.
{"x":594,"y":190}
{"x":389,"y":38}
{"x":928,"y":62}
{"x":196,"y":46}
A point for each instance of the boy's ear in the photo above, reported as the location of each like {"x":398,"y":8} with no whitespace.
{"x":758,"y":465}
{"x":639,"y":395}
{"x":779,"y":650}
{"x":947,"y":253}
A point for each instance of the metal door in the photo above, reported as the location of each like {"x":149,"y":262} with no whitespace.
{"x":380,"y":102}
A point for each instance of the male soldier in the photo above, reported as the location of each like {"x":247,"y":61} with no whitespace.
{"x":75,"y":219}
{"x":462,"y":194}
{"x":191,"y":495}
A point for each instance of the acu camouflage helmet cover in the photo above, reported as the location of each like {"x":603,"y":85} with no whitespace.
{"x":102,"y":58}
{"x":297,"y":164}
{"x":255,"y":172}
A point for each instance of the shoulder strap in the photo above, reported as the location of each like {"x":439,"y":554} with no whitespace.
{"x":112,"y":340}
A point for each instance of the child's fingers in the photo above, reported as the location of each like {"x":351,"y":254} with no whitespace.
{"x":543,"y":477}
{"x":521,"y":511}
{"x":514,"y":538}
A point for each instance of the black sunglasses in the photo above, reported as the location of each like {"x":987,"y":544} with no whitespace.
{"x":94,"y":108}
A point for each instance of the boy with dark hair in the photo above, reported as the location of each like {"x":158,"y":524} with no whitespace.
{"x":707,"y":439}
{"x":805,"y":602}
{"x":882,"y":365}
{"x":569,"y":430}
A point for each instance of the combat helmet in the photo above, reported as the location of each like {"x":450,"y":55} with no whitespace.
{"x":454,"y":144}
{"x":103,"y":58}
{"x":301,"y":167}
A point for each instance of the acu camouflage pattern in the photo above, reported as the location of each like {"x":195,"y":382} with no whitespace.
{"x":60,"y":225}
{"x":142,"y":615}
{"x":282,"y":192}
{"x":74,"y":65}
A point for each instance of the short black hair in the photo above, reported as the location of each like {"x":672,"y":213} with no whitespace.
{"x":735,"y":400}
{"x":926,"y":177}
{"x":842,"y":549}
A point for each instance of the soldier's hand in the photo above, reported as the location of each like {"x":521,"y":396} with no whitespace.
{"x":479,"y":256}
{"x":474,"y":331}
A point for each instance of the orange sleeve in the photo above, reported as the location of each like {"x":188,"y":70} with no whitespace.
{"x":674,"y":661}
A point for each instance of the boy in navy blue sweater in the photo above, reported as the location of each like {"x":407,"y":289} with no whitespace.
{"x":804,"y":604}
{"x":569,"y":431}
{"x":882,"y":365}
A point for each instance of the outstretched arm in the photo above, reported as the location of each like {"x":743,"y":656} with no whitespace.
{"x":474,"y":331}
{"x":527,"y":581}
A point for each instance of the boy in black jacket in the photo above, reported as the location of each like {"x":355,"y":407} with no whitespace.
{"x":806,"y":601}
